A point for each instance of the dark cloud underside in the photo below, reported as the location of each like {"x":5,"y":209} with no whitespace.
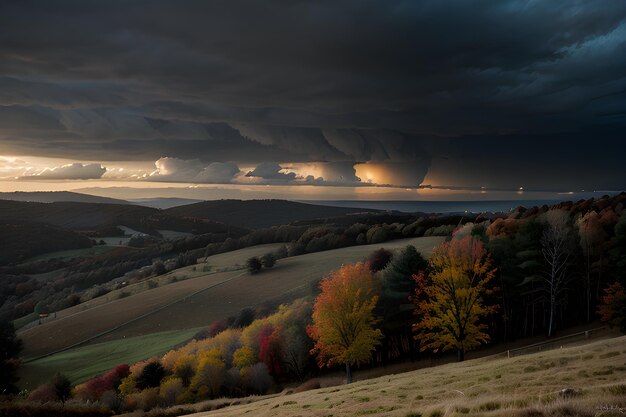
{"x":498,"y":92}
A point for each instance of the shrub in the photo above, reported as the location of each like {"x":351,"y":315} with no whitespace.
{"x":210,"y":375}
{"x":170,"y":390}
{"x":257,"y":378}
{"x":253,"y":265}
{"x":62,"y":387}
{"x":111,"y":400}
{"x":245,"y":318}
{"x":268,"y":260}
{"x":127,"y":386}
{"x":269,"y":350}
{"x":158,"y":268}
{"x":150,"y":376}
{"x":44,"y":393}
{"x":377,"y":234}
{"x":244,"y":357}
{"x":185,"y":368}
{"x":217,"y":327}
{"x":379,"y":259}
{"x":232,"y":380}
{"x":147,"y":399}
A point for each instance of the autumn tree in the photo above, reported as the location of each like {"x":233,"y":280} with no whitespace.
{"x":343,"y":326}
{"x":450,"y":299}
{"x":613,"y":307}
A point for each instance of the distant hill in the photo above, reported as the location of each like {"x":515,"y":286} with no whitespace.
{"x":24,"y":240}
{"x":257,"y":214}
{"x":101,"y":217}
{"x":58,"y":196}
{"x":163,"y":202}
{"x":75,"y":216}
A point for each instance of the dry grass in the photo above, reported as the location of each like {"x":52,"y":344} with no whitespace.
{"x":196,"y":301}
{"x":525,"y":386}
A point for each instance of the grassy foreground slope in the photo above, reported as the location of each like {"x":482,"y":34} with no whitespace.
{"x":524,"y":386}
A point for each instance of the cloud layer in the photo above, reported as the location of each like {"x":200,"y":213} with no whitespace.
{"x":480,"y":93}
{"x":75,"y":171}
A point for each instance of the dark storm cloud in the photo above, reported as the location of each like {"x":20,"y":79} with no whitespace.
{"x":335,"y":81}
{"x":271,"y":171}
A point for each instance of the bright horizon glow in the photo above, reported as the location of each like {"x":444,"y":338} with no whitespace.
{"x":128,"y":179}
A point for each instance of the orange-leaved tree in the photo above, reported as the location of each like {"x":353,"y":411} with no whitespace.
{"x":343,"y":318}
{"x":450,"y":299}
{"x":613,"y":307}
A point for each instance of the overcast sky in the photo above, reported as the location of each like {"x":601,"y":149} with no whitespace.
{"x":340,"y":94}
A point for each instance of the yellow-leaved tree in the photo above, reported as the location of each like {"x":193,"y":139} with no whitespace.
{"x":343,"y":318}
{"x":450,"y":299}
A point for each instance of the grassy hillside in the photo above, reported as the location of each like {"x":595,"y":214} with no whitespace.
{"x":109,"y":355}
{"x":195,"y":301}
{"x":524,"y":386}
{"x":256,"y":214}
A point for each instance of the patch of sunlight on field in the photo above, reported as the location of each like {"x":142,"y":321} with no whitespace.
{"x":84,"y":362}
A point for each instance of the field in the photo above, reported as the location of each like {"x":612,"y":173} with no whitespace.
{"x":193,"y":302}
{"x":222,"y":262}
{"x":83,"y":366}
{"x":524,"y":386}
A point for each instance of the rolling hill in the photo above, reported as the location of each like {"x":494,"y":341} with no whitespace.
{"x":58,"y":196}
{"x":75,"y":216}
{"x":21,"y":241}
{"x":99,"y":216}
{"x":256,"y":214}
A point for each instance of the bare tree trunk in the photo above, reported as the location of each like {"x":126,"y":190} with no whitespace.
{"x":588,"y":284}
{"x":348,"y":374}
{"x":551,"y":321}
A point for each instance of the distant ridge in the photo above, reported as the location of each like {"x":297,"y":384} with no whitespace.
{"x":164,"y":202}
{"x":58,"y":196}
{"x":256,"y":214}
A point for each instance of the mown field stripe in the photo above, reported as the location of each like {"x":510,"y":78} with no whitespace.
{"x":89,"y":339}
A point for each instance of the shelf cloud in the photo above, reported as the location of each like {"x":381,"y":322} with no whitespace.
{"x":75,"y":171}
{"x":396,"y":89}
